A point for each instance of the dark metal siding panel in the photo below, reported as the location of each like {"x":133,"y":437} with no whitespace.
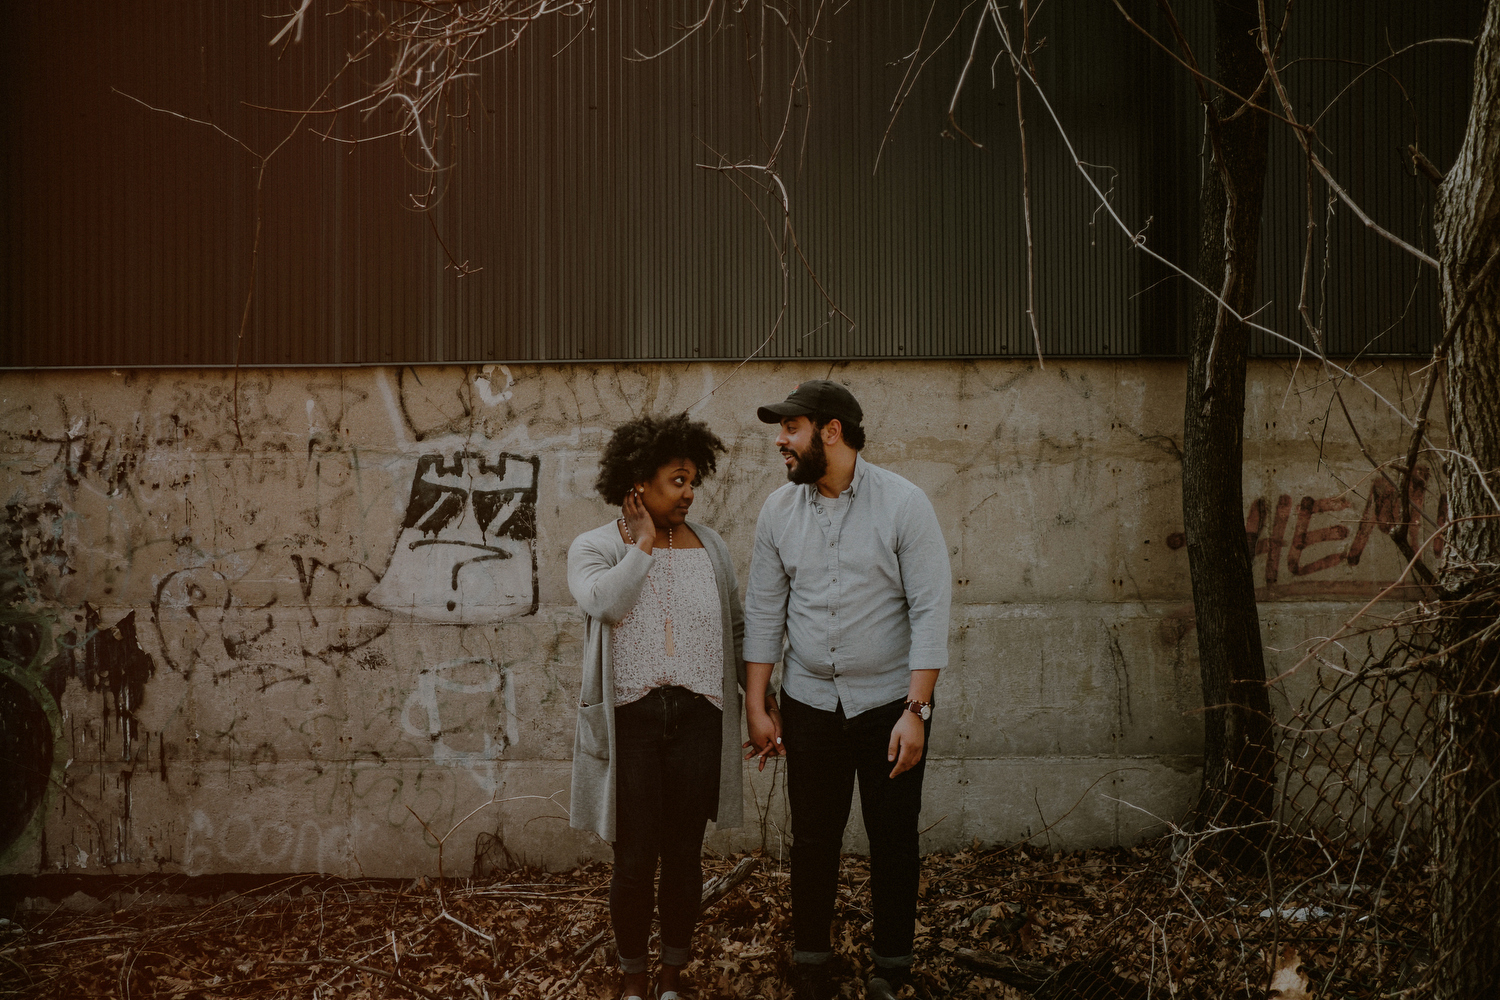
{"x":574,"y":222}
{"x":1376,"y":299}
{"x":575,"y":196}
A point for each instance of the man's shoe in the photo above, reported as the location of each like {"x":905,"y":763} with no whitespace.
{"x":886,"y":984}
{"x":812,"y":982}
{"x":883,"y":985}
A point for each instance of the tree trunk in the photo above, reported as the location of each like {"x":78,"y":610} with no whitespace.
{"x":1238,"y":766}
{"x":1466,"y":835}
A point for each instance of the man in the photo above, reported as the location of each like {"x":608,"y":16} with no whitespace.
{"x":850,"y":565}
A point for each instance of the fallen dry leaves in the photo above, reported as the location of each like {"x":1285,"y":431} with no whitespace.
{"x":1133,"y":915}
{"x":1288,"y":981}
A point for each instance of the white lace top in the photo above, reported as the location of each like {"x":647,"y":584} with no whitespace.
{"x":640,"y":640}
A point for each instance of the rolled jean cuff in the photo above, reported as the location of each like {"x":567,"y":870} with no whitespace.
{"x":811,"y":957}
{"x":633,"y":966}
{"x":675,"y":956}
{"x":881,"y":962}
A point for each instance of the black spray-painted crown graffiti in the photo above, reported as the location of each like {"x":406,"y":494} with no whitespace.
{"x":467,"y":550}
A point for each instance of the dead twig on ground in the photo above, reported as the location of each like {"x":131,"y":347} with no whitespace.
{"x":371,"y":969}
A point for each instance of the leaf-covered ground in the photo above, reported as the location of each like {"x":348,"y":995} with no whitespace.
{"x":1136,"y":915}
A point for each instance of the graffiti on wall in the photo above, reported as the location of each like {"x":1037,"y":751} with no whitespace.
{"x":293,"y":578}
{"x":27,"y":741}
{"x":464,"y":679}
{"x":226,"y":621}
{"x":466,"y":554}
{"x":1291,"y":539}
{"x":30,"y":726}
{"x":30,"y":723}
{"x":258,"y":573}
{"x":241,"y":842}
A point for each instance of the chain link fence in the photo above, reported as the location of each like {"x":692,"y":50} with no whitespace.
{"x":1374,"y":874}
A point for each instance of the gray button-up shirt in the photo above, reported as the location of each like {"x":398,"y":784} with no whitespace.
{"x":862,"y":599}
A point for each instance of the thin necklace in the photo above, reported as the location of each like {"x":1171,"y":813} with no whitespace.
{"x":666,"y":606}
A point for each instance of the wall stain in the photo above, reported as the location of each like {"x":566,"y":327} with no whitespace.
{"x":115,"y":666}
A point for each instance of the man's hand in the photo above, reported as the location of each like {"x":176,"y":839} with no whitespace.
{"x":765,"y":733}
{"x":908,"y":738}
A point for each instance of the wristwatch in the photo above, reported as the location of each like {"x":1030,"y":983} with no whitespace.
{"x":921,"y":709}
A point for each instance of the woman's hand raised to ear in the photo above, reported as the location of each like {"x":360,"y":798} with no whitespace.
{"x":638,"y":520}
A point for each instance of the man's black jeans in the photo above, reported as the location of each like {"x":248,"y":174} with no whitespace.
{"x":666,"y":789}
{"x":825,"y":753}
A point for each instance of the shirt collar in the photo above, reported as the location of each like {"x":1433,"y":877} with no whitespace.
{"x":859,"y":476}
{"x":810,"y":490}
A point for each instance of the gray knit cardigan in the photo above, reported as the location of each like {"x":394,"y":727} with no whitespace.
{"x":605,"y":577}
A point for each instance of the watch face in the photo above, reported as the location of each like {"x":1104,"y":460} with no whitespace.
{"x":926,"y":712}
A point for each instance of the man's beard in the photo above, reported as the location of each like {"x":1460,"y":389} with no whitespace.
{"x":810,"y":465}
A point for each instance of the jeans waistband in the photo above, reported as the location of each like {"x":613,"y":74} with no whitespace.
{"x":673,"y":693}
{"x":671,"y":699}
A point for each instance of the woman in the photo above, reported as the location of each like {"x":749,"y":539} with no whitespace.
{"x":657,"y":748}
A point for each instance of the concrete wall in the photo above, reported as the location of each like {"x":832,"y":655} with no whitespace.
{"x":266,"y":645}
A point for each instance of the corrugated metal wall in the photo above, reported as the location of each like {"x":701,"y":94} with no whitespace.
{"x":1375,"y":298}
{"x":574,"y":196}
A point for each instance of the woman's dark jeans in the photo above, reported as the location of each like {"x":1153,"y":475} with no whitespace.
{"x":666,"y":789}
{"x":825,"y":753}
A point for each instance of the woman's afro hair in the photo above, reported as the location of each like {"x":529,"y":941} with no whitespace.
{"x":638,"y":448}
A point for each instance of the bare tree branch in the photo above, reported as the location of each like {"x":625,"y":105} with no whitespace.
{"x":1302,"y":132}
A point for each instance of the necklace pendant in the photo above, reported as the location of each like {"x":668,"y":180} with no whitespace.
{"x":671,"y":646}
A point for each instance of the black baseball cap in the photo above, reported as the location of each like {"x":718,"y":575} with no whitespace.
{"x":815,"y":396}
